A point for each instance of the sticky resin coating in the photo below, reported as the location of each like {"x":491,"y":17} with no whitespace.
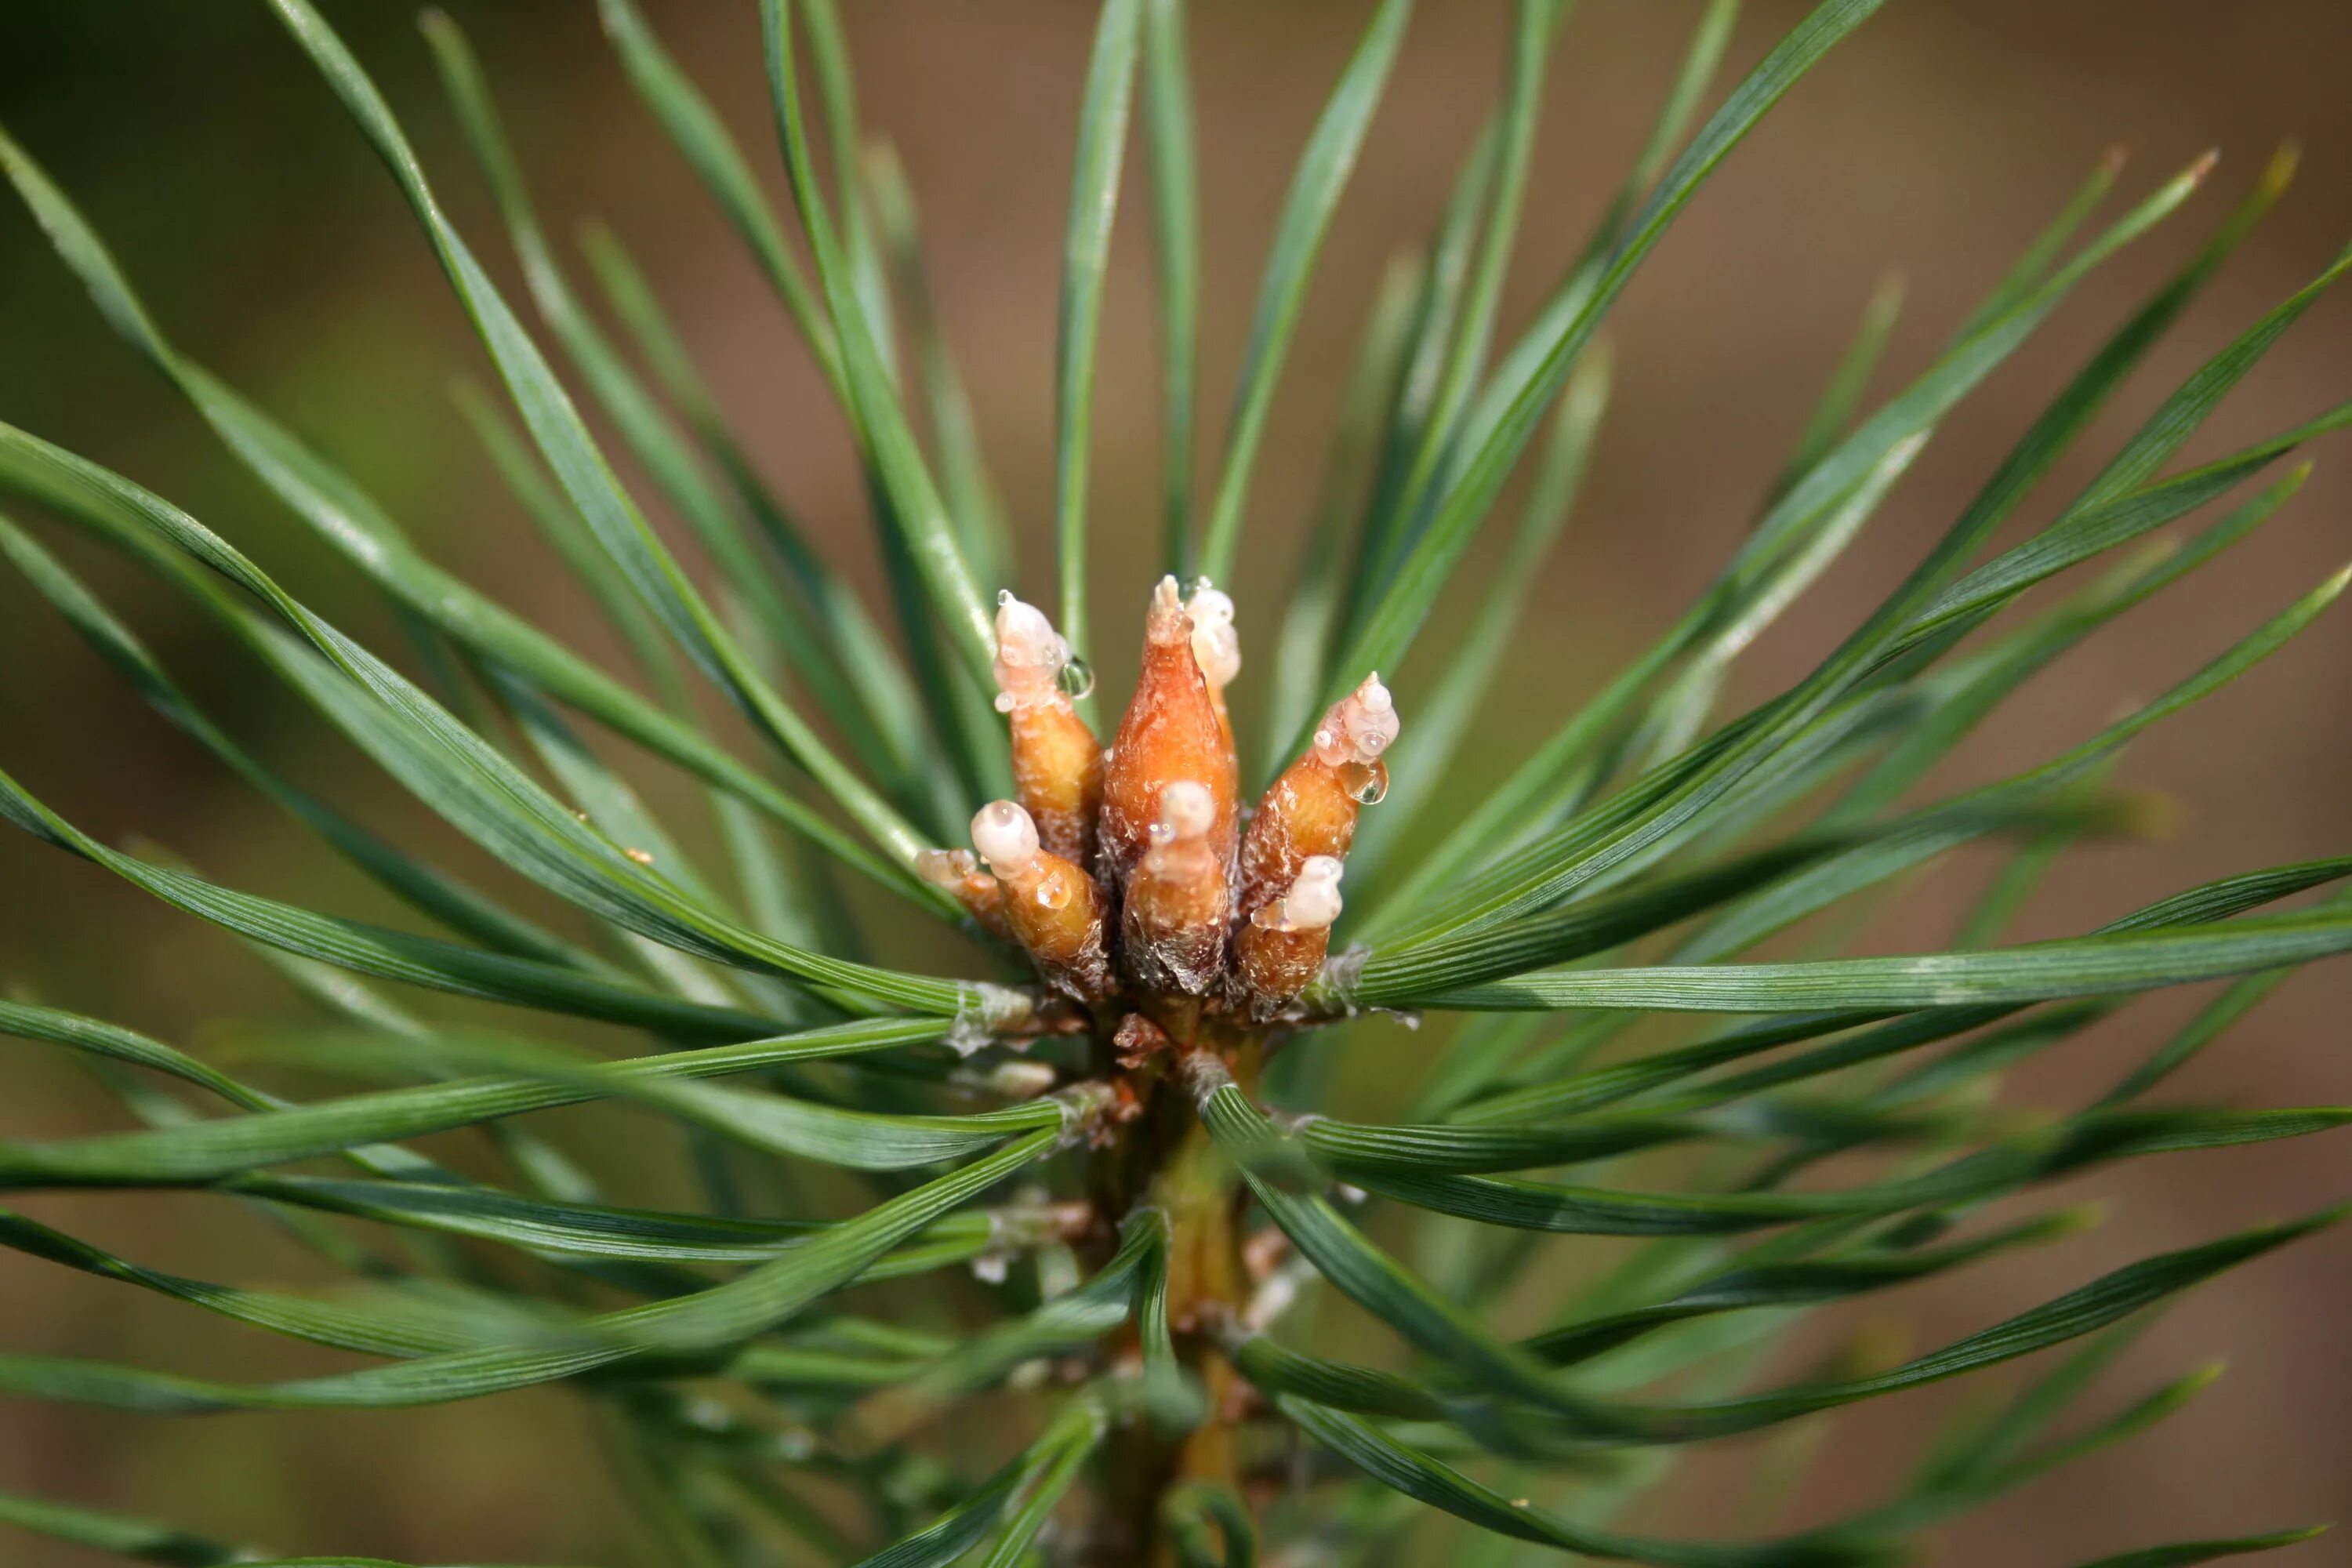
{"x":1216,"y":646}
{"x":1359,"y":727}
{"x":1313,"y":901}
{"x":1053,"y":907}
{"x":1171,"y":731}
{"x":1173,"y":924}
{"x":1006,"y":837}
{"x":1311,"y":809}
{"x":1280,"y":949}
{"x":1057,"y":764}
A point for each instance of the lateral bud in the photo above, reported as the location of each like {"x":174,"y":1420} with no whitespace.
{"x":958,"y":872}
{"x":1053,"y":907}
{"x":1173,"y":924}
{"x":1057,"y":764}
{"x":1279,"y":950}
{"x":1170,"y":732}
{"x":1311,"y":809}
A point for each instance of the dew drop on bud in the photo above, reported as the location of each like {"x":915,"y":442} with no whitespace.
{"x":1076,"y":678}
{"x":1371,"y":786}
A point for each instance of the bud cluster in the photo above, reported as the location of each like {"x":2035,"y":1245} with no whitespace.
{"x":1132,"y":873}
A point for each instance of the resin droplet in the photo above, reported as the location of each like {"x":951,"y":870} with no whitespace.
{"x":1216,"y":646}
{"x":1359,"y":727}
{"x":1280,"y":949}
{"x":1056,"y":761}
{"x":1172,"y":924}
{"x":1214,"y":642}
{"x":1005,"y":837}
{"x":1053,"y":907}
{"x":1311,"y":809}
{"x":1313,"y":901}
{"x":958,"y":870}
{"x":1170,"y":732}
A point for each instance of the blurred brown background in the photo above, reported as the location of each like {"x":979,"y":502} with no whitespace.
{"x":1937,"y":141}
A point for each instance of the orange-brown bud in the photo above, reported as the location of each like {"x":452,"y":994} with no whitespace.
{"x":1057,"y":764}
{"x":1052,"y":905}
{"x":1172,"y":924}
{"x":1170,"y":732}
{"x":1311,"y":809}
{"x":958,"y":870}
{"x":1279,"y":950}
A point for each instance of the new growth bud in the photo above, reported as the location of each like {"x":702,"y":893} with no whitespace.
{"x":1172,"y":925}
{"x":1311,"y":809}
{"x":1164,"y":900}
{"x":1053,"y":907}
{"x":1170,"y":732}
{"x":1281,"y":947}
{"x":1057,"y":764}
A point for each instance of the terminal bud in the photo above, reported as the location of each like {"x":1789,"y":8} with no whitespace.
{"x":1170,"y":732}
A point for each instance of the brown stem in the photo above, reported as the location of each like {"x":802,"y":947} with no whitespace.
{"x":1166,"y":1158}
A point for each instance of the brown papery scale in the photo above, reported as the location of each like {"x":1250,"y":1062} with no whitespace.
{"x":1057,"y":764}
{"x":1137,"y":1040}
{"x":1053,"y":906}
{"x":1311,"y":809}
{"x":1170,"y":732}
{"x":1172,"y":922}
{"x":1279,"y":950}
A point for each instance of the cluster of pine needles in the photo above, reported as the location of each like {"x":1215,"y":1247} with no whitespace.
{"x":1011,"y":1265}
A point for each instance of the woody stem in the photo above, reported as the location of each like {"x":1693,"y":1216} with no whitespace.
{"x":1167,"y":1160}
